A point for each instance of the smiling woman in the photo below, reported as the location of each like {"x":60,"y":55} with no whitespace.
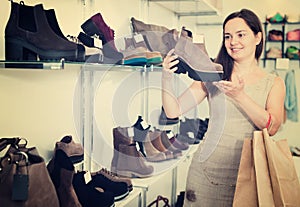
{"x":247,"y":97}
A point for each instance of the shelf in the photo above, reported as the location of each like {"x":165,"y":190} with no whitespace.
{"x":284,"y":43}
{"x":191,"y":7}
{"x":33,"y":65}
{"x":134,"y":197}
{"x":121,"y":68}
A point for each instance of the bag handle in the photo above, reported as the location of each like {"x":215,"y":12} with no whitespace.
{"x":15,"y":142}
{"x":160,"y":198}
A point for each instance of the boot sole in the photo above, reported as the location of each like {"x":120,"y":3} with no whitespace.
{"x":20,"y":49}
{"x":205,"y":76}
{"x":131,"y":174}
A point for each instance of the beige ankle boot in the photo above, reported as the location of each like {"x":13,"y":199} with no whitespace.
{"x":131,"y":163}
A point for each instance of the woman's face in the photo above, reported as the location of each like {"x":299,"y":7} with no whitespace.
{"x":240,"y":41}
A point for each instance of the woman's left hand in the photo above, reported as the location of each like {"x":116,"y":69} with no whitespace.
{"x":232,"y":88}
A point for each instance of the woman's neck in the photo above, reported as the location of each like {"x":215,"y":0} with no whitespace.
{"x":245,"y":67}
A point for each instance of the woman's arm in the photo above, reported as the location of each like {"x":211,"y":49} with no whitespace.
{"x":259,"y":115}
{"x":192,"y":96}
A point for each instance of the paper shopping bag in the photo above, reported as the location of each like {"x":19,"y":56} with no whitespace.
{"x":285,"y":183}
{"x":263,"y":182}
{"x":245,"y":191}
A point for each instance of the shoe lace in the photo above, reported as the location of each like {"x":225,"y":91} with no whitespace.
{"x":106,"y":171}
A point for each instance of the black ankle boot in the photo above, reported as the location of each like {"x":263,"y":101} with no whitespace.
{"x":28,"y":36}
{"x":140,"y":133}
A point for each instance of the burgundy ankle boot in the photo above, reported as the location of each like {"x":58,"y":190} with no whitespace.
{"x":96,"y":26}
{"x":28,"y":36}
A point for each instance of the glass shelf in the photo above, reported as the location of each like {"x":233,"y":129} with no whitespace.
{"x":51,"y":65}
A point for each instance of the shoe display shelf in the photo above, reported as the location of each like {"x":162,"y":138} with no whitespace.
{"x":133,"y":199}
{"x":284,"y":27}
{"x":191,"y":8}
{"x":130,"y":81}
{"x":49,"y":65}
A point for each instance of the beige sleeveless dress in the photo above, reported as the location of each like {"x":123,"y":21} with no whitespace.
{"x":213,"y":171}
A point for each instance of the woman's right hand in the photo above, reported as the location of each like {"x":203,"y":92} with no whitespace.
{"x":170,"y":62}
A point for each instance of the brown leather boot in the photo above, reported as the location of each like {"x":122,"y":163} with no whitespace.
{"x":168,"y":145}
{"x":152,"y":154}
{"x":155,"y":138}
{"x":131,"y":163}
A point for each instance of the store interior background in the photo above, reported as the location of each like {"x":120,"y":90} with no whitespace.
{"x":38,"y":104}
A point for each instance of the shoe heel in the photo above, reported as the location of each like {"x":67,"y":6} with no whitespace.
{"x":16,"y":51}
{"x":90,"y":28}
{"x":86,"y":39}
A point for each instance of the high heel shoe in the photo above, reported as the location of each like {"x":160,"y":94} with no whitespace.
{"x":28,"y":36}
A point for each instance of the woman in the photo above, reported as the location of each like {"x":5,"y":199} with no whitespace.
{"x":247,"y":99}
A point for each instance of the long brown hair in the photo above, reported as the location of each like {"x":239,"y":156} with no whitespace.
{"x":255,"y":25}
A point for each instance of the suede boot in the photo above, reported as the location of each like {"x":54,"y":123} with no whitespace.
{"x":120,"y":137}
{"x":131,"y":163}
{"x":62,"y":177}
{"x":155,"y":138}
{"x":52,"y":21}
{"x":73,"y":150}
{"x":153,"y":35}
{"x":28,"y":36}
{"x":152,"y":154}
{"x":97,"y":26}
{"x":168,"y":145}
{"x":194,"y":60}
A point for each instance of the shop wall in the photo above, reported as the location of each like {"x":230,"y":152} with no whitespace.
{"x":39,"y":104}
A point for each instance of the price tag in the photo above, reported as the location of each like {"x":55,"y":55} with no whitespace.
{"x":130,"y":132}
{"x":144,"y":124}
{"x":20,"y":187}
{"x":170,"y":134}
{"x":137,"y":146}
{"x":87,"y":177}
{"x":138,"y":38}
{"x":191,"y":135}
{"x":97,"y":43}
